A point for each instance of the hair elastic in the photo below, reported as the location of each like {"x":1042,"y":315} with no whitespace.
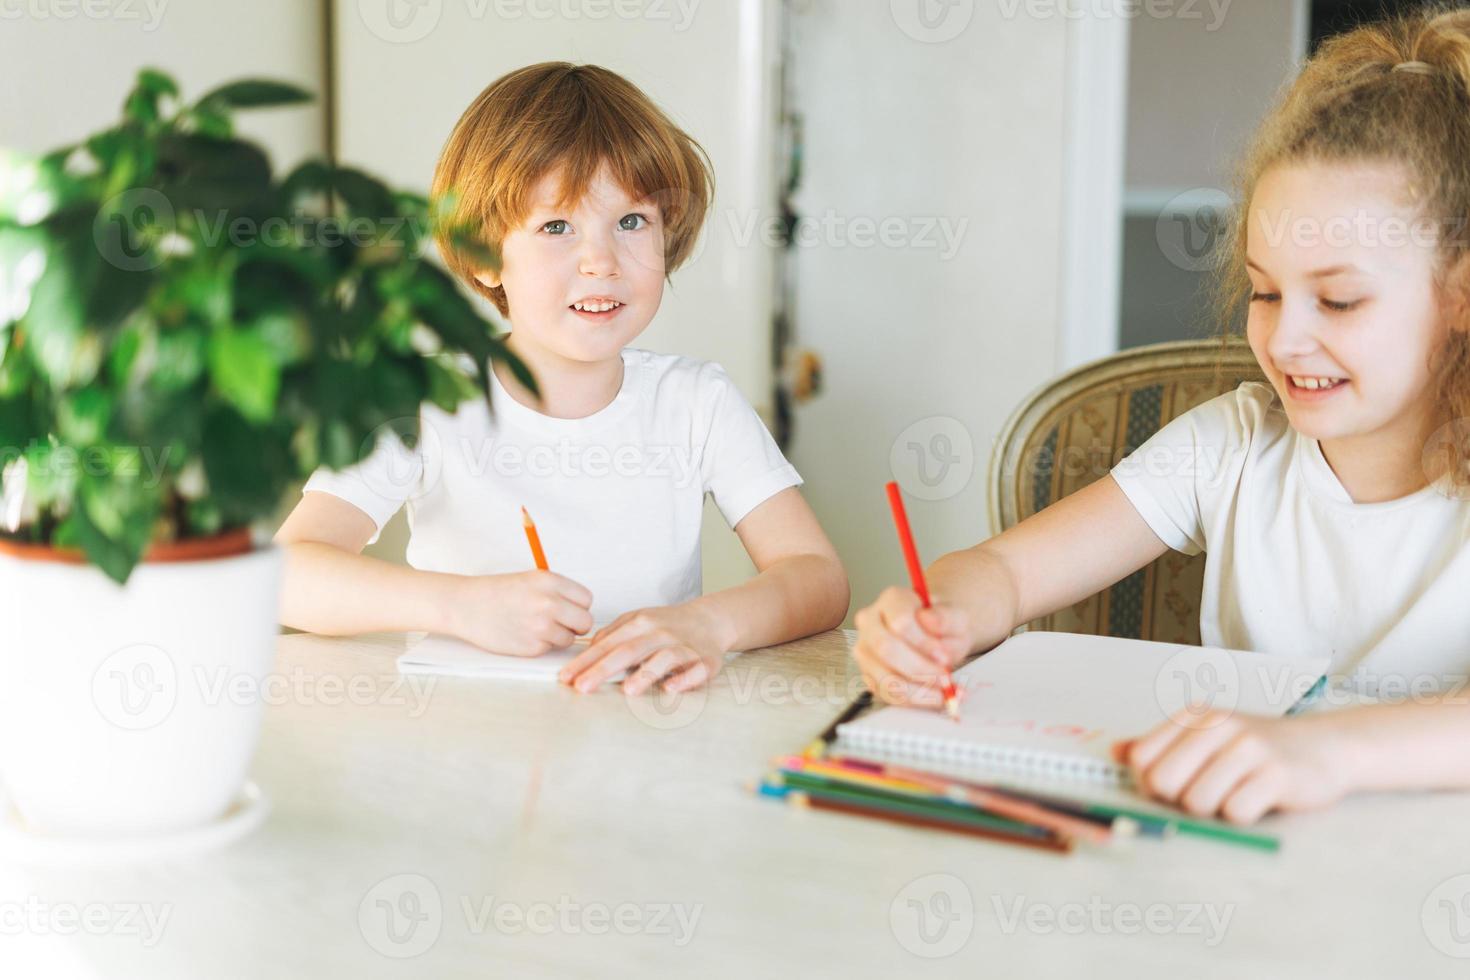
{"x":1416,"y":67}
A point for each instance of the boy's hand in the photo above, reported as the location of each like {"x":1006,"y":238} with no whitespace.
{"x":1239,"y":767}
{"x":524,"y":614}
{"x":681,"y":646}
{"x":902,"y":647}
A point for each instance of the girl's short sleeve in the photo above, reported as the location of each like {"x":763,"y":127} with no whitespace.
{"x":1178,"y":478}
{"x":741,"y":466}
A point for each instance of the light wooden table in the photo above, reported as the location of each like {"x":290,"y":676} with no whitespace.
{"x":478,"y":829}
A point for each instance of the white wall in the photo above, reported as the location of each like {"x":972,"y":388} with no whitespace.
{"x":1196,"y":94}
{"x":66,"y":76}
{"x":969,"y":129}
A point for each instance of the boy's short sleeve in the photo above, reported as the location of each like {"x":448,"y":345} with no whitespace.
{"x":741,"y":465}
{"x":1180,"y":475}
{"x":378,"y":485}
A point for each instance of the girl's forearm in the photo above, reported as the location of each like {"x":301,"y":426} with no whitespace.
{"x":794,"y":597}
{"x":977,"y":582}
{"x":1424,"y":745}
{"x":328,"y":590}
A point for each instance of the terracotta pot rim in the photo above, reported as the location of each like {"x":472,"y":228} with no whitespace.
{"x":226,"y":544}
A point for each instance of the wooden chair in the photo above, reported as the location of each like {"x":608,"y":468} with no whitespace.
{"x":1074,"y":429}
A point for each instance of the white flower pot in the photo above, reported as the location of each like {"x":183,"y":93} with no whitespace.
{"x":132,"y":709}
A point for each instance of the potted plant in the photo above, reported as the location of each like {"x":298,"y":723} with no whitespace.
{"x":183,"y":337}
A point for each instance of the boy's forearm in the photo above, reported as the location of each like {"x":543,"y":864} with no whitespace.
{"x":978,"y":582}
{"x":1423,"y":745}
{"x":328,"y":590}
{"x":794,"y":597}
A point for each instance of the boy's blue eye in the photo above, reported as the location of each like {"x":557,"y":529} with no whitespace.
{"x":1336,"y":307}
{"x":1265,"y":297}
{"x":557,"y":227}
{"x":632,"y":222}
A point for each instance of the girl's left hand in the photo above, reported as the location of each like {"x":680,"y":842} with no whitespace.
{"x":1239,"y":767}
{"x":681,"y":646}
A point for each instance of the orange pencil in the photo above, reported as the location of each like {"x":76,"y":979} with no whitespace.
{"x":916,"y":576}
{"x":535,"y":540}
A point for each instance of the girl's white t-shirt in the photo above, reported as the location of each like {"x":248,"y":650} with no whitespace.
{"x":617,"y":496}
{"x":1294,"y":566}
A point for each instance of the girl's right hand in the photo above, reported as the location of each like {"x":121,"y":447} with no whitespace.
{"x":902,"y":648}
{"x":523,"y":614}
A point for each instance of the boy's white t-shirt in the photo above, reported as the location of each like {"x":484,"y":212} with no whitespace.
{"x":1294,"y":566}
{"x":617,"y":496}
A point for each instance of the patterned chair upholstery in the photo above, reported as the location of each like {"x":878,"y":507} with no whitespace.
{"x":1074,"y":429}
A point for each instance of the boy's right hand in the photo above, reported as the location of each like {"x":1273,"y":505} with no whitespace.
{"x":902,"y":648}
{"x":523,"y":614}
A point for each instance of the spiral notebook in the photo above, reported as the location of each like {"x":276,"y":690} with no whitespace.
{"x":1048,"y":706}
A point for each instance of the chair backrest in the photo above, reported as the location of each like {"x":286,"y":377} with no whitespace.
{"x":1074,"y":429}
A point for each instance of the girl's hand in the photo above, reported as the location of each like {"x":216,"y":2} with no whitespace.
{"x":524,"y":614}
{"x":1239,"y":767}
{"x":903,"y":647}
{"x":681,"y":646}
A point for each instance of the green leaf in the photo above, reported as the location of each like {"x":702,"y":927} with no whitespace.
{"x":179,"y":356}
{"x":244,"y":371}
{"x":365,"y":196}
{"x":82,"y":416}
{"x":256,"y":93}
{"x":196,"y":172}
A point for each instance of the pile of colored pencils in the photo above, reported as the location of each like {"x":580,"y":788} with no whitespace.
{"x":917,"y":798}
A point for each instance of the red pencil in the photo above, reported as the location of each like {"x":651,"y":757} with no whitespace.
{"x":916,"y":576}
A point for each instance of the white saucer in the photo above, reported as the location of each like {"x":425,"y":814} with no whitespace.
{"x":21,"y":845}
